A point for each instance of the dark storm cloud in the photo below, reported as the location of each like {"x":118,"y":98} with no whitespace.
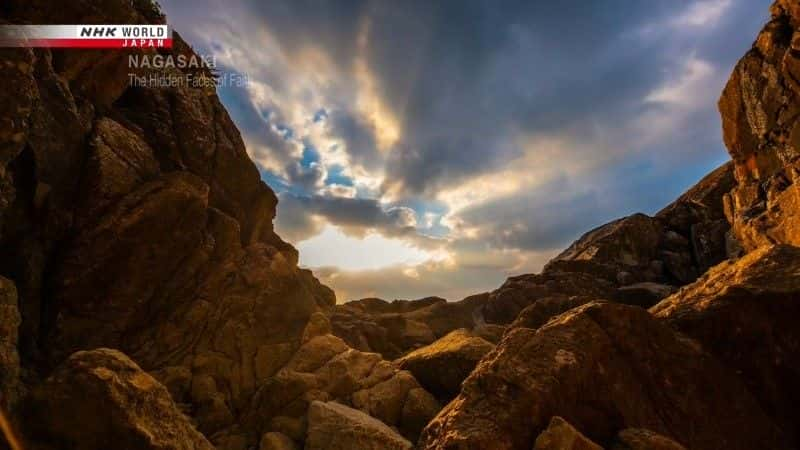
{"x":359,"y":135}
{"x":464,"y":76}
{"x":296,"y":216}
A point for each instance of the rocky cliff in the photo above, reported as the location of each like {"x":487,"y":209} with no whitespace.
{"x":133,"y":219}
{"x":146,"y":301}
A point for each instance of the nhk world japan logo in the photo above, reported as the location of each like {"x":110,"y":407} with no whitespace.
{"x":86,"y":36}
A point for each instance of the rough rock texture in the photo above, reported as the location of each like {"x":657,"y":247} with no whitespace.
{"x":760,"y":107}
{"x":560,"y":435}
{"x":745,"y":313}
{"x":642,"y":439}
{"x":133,"y":218}
{"x":602,"y":367}
{"x":100,"y":399}
{"x":325,"y":368}
{"x":394,"y":328}
{"x":441,"y":366}
{"x":10,"y":385}
{"x":332,"y":426}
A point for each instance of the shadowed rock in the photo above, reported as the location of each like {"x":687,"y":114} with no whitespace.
{"x":603,"y":367}
{"x":745,"y":313}
{"x":560,"y":435}
{"x":441,"y":366}
{"x":100,"y":399}
{"x":641,"y":439}
{"x":332,"y":426}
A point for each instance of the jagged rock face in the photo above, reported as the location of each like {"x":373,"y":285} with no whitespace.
{"x":441,"y":366}
{"x":133,"y":218}
{"x":760,"y":107}
{"x":745,"y":313}
{"x":100,"y":399}
{"x":675,"y":246}
{"x":603,"y":367}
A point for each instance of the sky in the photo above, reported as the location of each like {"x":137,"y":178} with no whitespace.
{"x":437,"y":147}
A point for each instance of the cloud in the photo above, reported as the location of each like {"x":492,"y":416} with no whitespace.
{"x":703,"y":13}
{"x":298,"y":217}
{"x":444,"y":278}
{"x":332,"y":247}
{"x":690,"y":88}
{"x":493,"y":134}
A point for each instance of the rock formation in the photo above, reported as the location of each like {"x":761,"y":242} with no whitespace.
{"x":443,"y":365}
{"x":745,"y":313}
{"x":603,"y":367}
{"x":560,"y":435}
{"x":132,"y":219}
{"x":759,"y":108}
{"x":102,"y":400}
{"x":336,"y":427}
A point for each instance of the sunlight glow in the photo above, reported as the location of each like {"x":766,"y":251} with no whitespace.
{"x":333,"y":248}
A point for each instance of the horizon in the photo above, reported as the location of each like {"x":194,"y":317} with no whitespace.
{"x":421,"y":151}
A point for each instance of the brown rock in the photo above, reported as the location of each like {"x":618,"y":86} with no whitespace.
{"x":541,"y":311}
{"x":392,"y":329}
{"x":628,"y":244}
{"x":333,"y":426}
{"x":101,"y":399}
{"x":505,"y":303}
{"x":644,"y":294}
{"x":10,"y":386}
{"x":560,"y":435}
{"x":641,"y":439}
{"x":744,"y":313}
{"x":325,"y":368}
{"x":759,"y":107}
{"x":442,"y":366}
{"x":602,"y":367}
{"x":276,"y":441}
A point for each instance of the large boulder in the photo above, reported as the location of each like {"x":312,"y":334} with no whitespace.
{"x":101,"y":399}
{"x":745,"y":313}
{"x":333,"y":426}
{"x":441,"y":366}
{"x":603,"y":367}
